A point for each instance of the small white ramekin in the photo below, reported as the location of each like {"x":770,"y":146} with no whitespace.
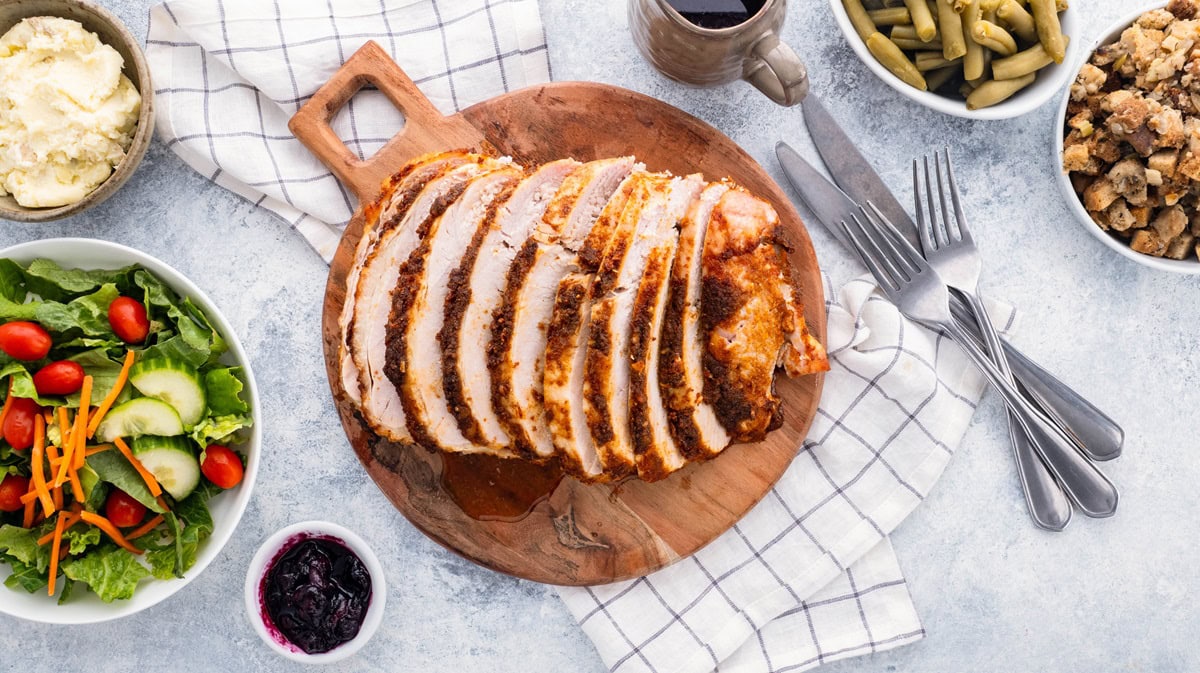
{"x":268,"y":553}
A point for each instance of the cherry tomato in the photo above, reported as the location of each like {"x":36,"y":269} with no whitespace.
{"x":122,"y":510}
{"x":24,"y":340}
{"x":128,"y":319}
{"x":18,"y":424}
{"x":221,"y":466}
{"x":59,"y":378}
{"x":11,"y":489}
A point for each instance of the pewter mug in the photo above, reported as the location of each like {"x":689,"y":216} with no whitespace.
{"x":751,"y":50}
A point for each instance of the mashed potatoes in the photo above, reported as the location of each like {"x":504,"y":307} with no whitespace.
{"x":67,"y":114}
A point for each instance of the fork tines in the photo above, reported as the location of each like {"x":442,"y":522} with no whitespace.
{"x":944,"y":229}
{"x":887,"y":254}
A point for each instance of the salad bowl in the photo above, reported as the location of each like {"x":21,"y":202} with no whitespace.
{"x":84,"y":607}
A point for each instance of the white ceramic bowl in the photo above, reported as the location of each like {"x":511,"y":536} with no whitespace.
{"x":1189,"y":266}
{"x":268,"y":552}
{"x":227,"y":508}
{"x":1048,"y":81}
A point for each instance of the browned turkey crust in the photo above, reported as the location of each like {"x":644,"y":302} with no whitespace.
{"x":749,"y":315}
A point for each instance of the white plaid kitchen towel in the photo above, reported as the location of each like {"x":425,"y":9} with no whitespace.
{"x":229,"y":74}
{"x":809,"y":575}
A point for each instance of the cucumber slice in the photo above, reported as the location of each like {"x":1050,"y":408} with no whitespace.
{"x":173,"y":381}
{"x":137,"y":417}
{"x":172,"y":461}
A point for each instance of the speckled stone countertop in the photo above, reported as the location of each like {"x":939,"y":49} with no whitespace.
{"x":995,"y":593}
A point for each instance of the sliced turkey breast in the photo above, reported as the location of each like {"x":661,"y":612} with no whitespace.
{"x":381,"y":405}
{"x":694,"y":424}
{"x":414,"y":354}
{"x":607,"y":363}
{"x":397,"y":196}
{"x":516,"y":353}
{"x":566,"y":348}
{"x":475,"y":288}
{"x":749,"y":315}
{"x":649,"y":424}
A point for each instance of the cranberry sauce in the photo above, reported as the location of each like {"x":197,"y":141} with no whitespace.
{"x":316,"y":593}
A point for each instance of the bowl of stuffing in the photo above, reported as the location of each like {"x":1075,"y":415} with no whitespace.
{"x":1128,"y":138}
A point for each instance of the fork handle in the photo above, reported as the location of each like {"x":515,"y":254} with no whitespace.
{"x":1047,"y":503}
{"x":1095,"y":433}
{"x":1082,"y":481}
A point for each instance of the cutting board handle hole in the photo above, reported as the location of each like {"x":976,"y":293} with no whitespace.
{"x":367,"y":122}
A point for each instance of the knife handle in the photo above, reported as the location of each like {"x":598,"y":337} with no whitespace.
{"x":1097,"y":435}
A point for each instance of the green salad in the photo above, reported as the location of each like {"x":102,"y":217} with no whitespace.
{"x":119,"y":423}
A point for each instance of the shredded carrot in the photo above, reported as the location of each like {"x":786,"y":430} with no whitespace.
{"x":112,"y":395}
{"x":36,"y":459}
{"x":27,"y":519}
{"x":7,"y":401}
{"x":79,"y":433}
{"x":59,"y":526}
{"x":72,"y":518}
{"x":55,"y":488}
{"x":76,"y":485}
{"x":145,"y":528}
{"x":161,"y":503}
{"x":109,"y":530}
{"x":31,"y":496}
{"x":151,"y":482}
{"x":64,"y":429}
{"x":99,"y":448}
{"x":49,"y":416}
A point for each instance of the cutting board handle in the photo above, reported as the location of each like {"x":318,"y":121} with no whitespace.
{"x":425,"y":128}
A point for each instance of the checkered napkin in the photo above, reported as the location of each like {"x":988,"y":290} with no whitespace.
{"x":229,"y":74}
{"x":809,"y":576}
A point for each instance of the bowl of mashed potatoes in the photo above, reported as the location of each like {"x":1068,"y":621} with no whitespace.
{"x":76,"y":107}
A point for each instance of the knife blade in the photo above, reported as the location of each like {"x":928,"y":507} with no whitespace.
{"x":850,"y":169}
{"x":828,"y":202}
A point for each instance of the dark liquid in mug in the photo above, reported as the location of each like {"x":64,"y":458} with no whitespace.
{"x":717,"y":14}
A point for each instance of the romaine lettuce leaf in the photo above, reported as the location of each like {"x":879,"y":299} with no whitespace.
{"x":219,"y":428}
{"x":109,"y":571}
{"x":79,"y":539}
{"x":112,"y":468}
{"x":24,"y":576}
{"x":178,"y":348}
{"x":21,"y":544}
{"x":104,"y":373}
{"x":224,"y":388}
{"x":87,"y":314}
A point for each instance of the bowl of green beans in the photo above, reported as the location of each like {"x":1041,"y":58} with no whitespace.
{"x":978,"y":59}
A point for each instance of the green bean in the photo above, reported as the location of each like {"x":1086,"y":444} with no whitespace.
{"x":995,"y":91}
{"x":905,"y":33}
{"x":892,"y":16}
{"x":950,"y":23}
{"x":933,"y":60}
{"x":994,"y":37}
{"x":922,"y":19}
{"x":1021,"y":63}
{"x":859,"y":17}
{"x":890,"y":56}
{"x":916,"y":45}
{"x":936,"y":79}
{"x":1049,"y":30}
{"x":1018,"y":20}
{"x":973,"y":59}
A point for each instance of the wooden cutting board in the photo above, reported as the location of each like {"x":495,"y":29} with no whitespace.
{"x":580,"y":534}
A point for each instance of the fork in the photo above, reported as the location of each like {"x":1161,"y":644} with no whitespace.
{"x":950,"y":251}
{"x":915,"y":288}
{"x":959,"y":264}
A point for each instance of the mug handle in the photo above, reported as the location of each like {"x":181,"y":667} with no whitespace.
{"x":774,"y":69}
